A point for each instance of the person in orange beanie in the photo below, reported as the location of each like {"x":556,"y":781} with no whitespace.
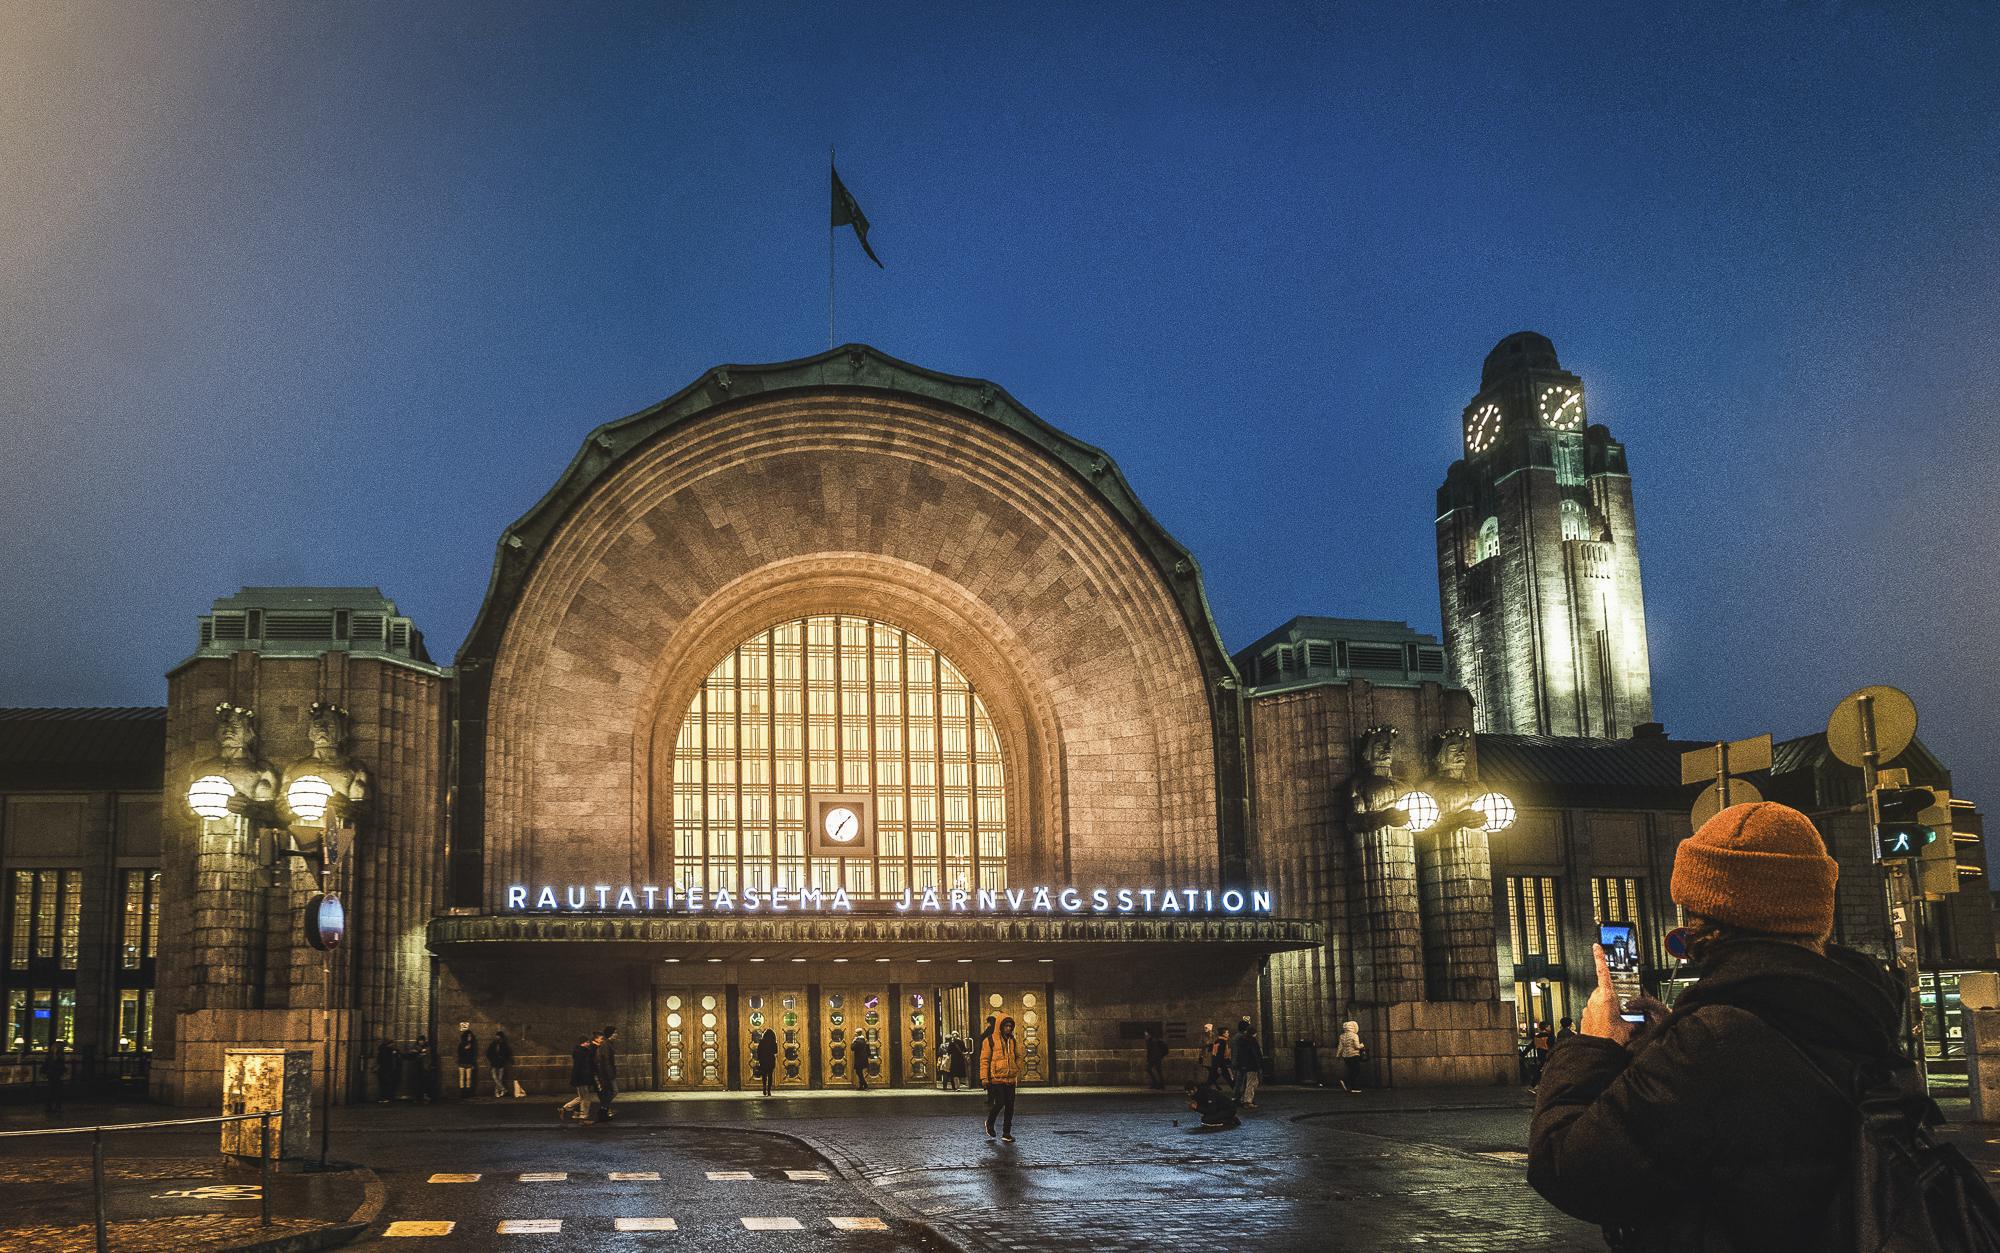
{"x":1715,"y":1126}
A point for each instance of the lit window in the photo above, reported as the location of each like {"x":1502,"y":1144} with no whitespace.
{"x":1575,"y":522}
{"x":838,"y":705}
{"x":1487,"y":543}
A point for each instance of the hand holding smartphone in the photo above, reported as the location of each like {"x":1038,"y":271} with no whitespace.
{"x":1620,"y":943}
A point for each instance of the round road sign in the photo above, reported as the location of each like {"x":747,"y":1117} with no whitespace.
{"x":1895,"y":716}
{"x":1709,"y":803}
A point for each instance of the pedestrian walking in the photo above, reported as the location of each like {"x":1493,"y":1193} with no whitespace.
{"x":1535,"y":1053}
{"x":427,"y":1070}
{"x":954,"y":1051}
{"x":388,"y":1061}
{"x":500,"y":1059}
{"x":1565,"y":1030}
{"x":1352,"y":1053}
{"x":1218,"y":1061}
{"x":861,"y":1051}
{"x":1249,"y":1060}
{"x":1000,"y":1073}
{"x":979,"y":1046}
{"x":767,"y":1059}
{"x":1156,"y":1060}
{"x":468,"y":1059}
{"x":582,"y":1079}
{"x":55,"y":1071}
{"x":607,"y":1071}
{"x":1729,"y":1122}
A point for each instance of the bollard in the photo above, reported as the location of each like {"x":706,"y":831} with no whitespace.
{"x":97,"y":1182}
{"x":264,"y":1164}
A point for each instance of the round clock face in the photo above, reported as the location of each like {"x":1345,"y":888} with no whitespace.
{"x":841,"y":824}
{"x":1562,"y":408}
{"x":1482,"y":428}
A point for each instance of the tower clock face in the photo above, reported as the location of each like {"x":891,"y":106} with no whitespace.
{"x":1562,"y":407}
{"x":1482,"y":428}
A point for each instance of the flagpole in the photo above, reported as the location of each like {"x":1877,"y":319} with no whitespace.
{"x":829,"y":256}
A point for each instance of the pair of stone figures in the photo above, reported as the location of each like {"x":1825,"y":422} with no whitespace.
{"x":258,"y":783}
{"x":1377,"y":795}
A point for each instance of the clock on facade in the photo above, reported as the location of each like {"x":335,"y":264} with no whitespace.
{"x":1482,"y":428}
{"x":1562,"y":407}
{"x":842,"y":826}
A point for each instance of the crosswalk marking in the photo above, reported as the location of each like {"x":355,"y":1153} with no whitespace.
{"x":530,"y":1227}
{"x":645,"y":1224}
{"x":802,"y":1175}
{"x":635,"y":1176}
{"x":454,"y":1179}
{"x":407,"y":1228}
{"x":773,"y":1224}
{"x":545,"y":1176}
{"x":859,"y":1224}
{"x":718,"y":1176}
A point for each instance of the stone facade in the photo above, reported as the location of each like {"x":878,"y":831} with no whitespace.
{"x":1538,"y":559}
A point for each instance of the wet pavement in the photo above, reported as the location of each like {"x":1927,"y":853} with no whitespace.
{"x":1090,"y":1169}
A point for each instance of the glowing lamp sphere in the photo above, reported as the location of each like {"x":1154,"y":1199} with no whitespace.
{"x":308,"y":797}
{"x":1498,"y":809}
{"x":1422,"y":808}
{"x":209,"y":796}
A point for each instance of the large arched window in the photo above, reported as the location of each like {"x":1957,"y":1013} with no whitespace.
{"x":1486,"y":545}
{"x":1575,"y":522}
{"x":838,"y":705}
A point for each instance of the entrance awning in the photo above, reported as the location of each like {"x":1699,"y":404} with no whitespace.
{"x":861,"y":936}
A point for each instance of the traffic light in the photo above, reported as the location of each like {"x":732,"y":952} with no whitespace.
{"x":1900,"y":829}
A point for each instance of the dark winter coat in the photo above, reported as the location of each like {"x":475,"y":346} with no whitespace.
{"x":468,"y":1049}
{"x":1713,"y":1133}
{"x":583,"y":1066}
{"x":607,"y":1067}
{"x":862,"y":1051}
{"x":767,"y":1054}
{"x":387,"y":1062}
{"x":1249,"y":1054}
{"x":1156,"y":1050}
{"x":500,"y":1053}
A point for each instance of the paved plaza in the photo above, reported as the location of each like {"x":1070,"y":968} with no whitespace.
{"x":1111,"y":1170}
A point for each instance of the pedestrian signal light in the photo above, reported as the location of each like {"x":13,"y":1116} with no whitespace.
{"x":1900,"y":830}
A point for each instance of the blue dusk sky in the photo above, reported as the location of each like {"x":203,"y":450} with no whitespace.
{"x":328,"y":293}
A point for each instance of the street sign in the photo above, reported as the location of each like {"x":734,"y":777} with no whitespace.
{"x":1895,"y":717}
{"x":1715,"y":760}
{"x":1710,"y":802}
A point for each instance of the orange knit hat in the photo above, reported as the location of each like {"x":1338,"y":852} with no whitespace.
{"x":1762,"y":867}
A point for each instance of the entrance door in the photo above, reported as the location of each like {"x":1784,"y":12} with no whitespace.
{"x":845,"y":1015}
{"x":1031,"y":1024}
{"x":782,"y":1011}
{"x":689,"y":1033}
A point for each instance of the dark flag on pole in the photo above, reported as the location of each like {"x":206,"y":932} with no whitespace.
{"x":848,"y":213}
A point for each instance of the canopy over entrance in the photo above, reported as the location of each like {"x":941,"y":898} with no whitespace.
{"x":863,"y":937}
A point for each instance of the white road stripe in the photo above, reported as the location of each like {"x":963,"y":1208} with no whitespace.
{"x":545,"y":1176}
{"x":635,"y":1176}
{"x":801,"y":1175}
{"x":530,"y":1227}
{"x":859,"y":1224}
{"x":645,"y":1224}
{"x":408,"y":1228}
{"x":454,"y":1179}
{"x":773,"y":1224}
{"x":718,"y":1176}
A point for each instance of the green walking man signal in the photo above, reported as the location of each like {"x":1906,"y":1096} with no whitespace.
{"x":1900,"y":829}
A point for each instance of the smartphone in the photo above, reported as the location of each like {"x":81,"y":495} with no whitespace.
{"x":1621,"y":954}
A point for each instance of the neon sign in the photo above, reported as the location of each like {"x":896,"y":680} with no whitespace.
{"x":605,"y":898}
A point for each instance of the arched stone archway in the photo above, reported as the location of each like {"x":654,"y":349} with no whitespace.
{"x":679,"y":532}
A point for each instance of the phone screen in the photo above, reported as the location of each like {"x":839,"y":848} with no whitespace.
{"x":1621,"y":955}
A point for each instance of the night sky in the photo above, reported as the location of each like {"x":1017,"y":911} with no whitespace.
{"x":329,"y":293}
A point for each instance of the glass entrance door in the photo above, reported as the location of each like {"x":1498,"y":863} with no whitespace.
{"x":689,"y":1033}
{"x":782,"y":1011}
{"x":1026,"y":1004}
{"x":847,"y":1014}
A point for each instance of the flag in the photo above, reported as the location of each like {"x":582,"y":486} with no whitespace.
{"x":847,"y":213}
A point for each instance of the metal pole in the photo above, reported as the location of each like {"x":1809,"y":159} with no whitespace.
{"x":264,"y":1165}
{"x":97,"y":1186}
{"x":829,"y":250}
{"x":1897,"y":887}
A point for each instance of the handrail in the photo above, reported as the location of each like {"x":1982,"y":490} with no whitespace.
{"x":133,"y":1126}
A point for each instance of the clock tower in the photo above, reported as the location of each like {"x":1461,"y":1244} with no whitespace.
{"x":1538,"y":558}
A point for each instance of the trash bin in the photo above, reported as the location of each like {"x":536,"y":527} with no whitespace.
{"x":1305,"y":1063}
{"x":279,"y":1080}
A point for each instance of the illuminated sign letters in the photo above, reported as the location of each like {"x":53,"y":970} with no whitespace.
{"x":683,"y":899}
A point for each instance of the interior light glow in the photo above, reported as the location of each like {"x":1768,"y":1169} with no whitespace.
{"x":209,"y":796}
{"x":308,"y":796}
{"x":1499,"y":810}
{"x":1422,"y":808}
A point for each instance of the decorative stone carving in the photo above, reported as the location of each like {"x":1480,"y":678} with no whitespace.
{"x":1388,"y":956}
{"x":236,"y":756}
{"x":1452,"y":783}
{"x":346,"y":779}
{"x":1455,"y":880}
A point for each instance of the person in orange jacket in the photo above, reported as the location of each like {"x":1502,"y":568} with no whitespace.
{"x":1000,"y":1071}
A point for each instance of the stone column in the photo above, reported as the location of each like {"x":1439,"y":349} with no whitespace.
{"x":1455,"y":884}
{"x":1388,"y":957}
{"x":225,"y":921}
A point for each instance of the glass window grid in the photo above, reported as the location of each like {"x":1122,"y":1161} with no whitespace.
{"x":837,"y":704}
{"x":1535,"y":931}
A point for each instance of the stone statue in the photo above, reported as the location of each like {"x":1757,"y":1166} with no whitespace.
{"x":1375,"y":789}
{"x":236,"y":756}
{"x":327,"y":732}
{"x":1452,"y":784}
